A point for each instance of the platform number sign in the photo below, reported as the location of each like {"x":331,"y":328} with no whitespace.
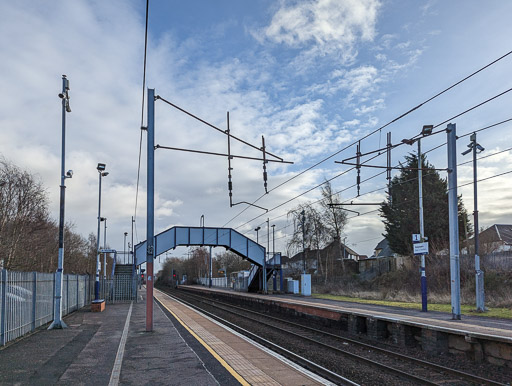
{"x":419,"y":245}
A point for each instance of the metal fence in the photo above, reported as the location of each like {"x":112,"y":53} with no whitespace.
{"x":26,"y":300}
{"x":120,"y":289}
{"x":216,"y":281}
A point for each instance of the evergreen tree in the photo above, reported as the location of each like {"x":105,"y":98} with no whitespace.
{"x":401,"y":211}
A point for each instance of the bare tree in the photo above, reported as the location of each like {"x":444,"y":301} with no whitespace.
{"x":28,"y":236}
{"x":309,"y":230}
{"x":333,"y":216}
{"x":231,"y":262}
{"x":23,"y":207}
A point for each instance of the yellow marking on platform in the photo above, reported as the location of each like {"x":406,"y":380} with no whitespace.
{"x":237,"y":376}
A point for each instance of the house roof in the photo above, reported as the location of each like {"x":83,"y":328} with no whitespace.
{"x":497,"y":232}
{"x":385,"y":250}
{"x":382,"y":244}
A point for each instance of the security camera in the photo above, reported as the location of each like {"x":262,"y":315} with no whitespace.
{"x":69,"y":174}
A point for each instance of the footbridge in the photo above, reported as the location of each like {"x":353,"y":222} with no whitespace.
{"x":214,"y":237}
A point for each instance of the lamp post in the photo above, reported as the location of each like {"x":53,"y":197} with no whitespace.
{"x":425,"y":131}
{"x":257,"y":238}
{"x":124,"y":250}
{"x":101,"y":173}
{"x":57,"y":320}
{"x":479,"y":274}
{"x":104,"y":247}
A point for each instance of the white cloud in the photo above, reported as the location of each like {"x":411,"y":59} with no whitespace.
{"x":325,"y":26}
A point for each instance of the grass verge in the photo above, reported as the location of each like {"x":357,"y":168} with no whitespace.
{"x":494,"y":312}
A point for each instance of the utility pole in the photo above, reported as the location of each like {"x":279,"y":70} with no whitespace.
{"x":265,"y":258}
{"x":150,"y":207}
{"x":422,"y":231}
{"x":104,"y":247}
{"x":124,"y":250}
{"x":57,"y":320}
{"x":303,"y":214}
{"x":453,"y":221}
{"x":101,"y":173}
{"x":210,"y":283}
{"x":257,"y":235}
{"x":479,"y":274}
{"x":132,"y":250}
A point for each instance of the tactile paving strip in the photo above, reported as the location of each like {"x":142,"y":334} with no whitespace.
{"x":254,"y":365}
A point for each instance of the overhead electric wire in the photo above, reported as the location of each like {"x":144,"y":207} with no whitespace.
{"x":400,"y":183}
{"x":141,"y":118}
{"x":378,"y":129}
{"x":215,"y":127}
{"x":377,"y":189}
{"x":307,"y":191}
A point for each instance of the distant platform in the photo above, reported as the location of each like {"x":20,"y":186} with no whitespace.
{"x":476,"y":337}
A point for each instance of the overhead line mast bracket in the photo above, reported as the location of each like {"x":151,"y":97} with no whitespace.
{"x":230,"y":156}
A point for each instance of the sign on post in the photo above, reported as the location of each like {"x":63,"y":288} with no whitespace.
{"x":420,"y":248}
{"x":416,"y":238}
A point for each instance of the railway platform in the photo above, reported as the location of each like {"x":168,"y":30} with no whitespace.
{"x":477,"y":338}
{"x":112,"y":347}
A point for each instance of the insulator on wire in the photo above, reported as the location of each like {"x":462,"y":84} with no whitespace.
{"x":264,"y":163}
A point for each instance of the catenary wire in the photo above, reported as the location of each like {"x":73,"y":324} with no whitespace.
{"x":403,"y":182}
{"x":376,"y":130}
{"x":381,"y":188}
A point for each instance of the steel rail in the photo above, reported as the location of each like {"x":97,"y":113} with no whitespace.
{"x":378,"y":365}
{"x":440,"y":368}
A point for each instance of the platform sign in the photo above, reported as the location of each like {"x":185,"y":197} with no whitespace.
{"x":420,"y":248}
{"x":416,"y":238}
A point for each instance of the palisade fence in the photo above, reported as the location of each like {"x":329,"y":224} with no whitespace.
{"x":119,"y":289}
{"x":26,"y":300}
{"x":216,"y":281}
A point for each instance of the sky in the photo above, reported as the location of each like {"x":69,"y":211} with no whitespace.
{"x":312,"y":77}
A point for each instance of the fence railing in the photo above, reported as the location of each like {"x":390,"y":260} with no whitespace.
{"x":119,"y":289}
{"x":26,"y":300}
{"x":216,"y":281}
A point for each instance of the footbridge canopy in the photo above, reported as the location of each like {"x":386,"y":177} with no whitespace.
{"x":203,"y":236}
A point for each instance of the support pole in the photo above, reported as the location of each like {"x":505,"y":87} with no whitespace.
{"x":303,"y":213}
{"x":97,"y":282}
{"x":150,"y":229}
{"x":422,"y":231}
{"x":104,"y":254}
{"x":210,"y":282}
{"x":453,"y":221}
{"x":265,"y":256}
{"x":57,"y":311}
{"x":479,"y":274}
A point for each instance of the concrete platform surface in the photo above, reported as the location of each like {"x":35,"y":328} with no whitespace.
{"x":88,"y":352}
{"x":113,"y":347}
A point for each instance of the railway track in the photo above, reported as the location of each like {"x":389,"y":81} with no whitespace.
{"x":327,"y":349}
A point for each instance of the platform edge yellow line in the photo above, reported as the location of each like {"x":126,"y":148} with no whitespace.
{"x":232,"y":371}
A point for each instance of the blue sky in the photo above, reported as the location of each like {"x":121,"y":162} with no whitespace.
{"x":311,"y":76}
